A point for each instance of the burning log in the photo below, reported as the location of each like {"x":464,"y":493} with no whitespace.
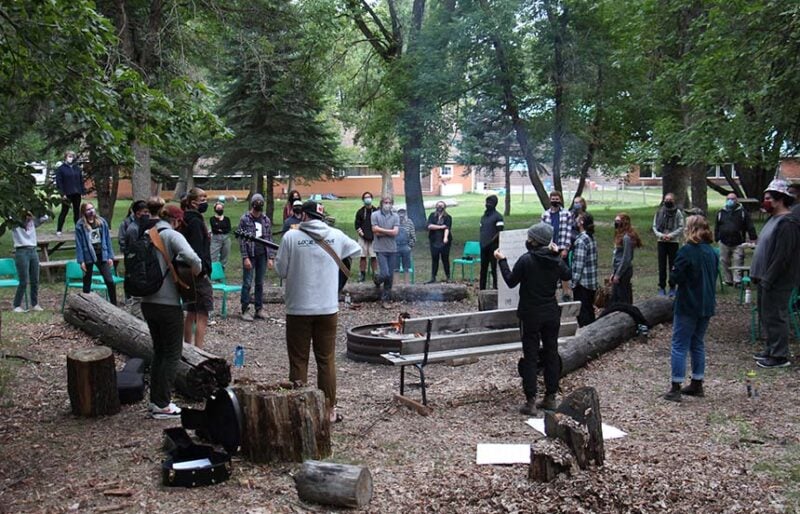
{"x":199,"y":373}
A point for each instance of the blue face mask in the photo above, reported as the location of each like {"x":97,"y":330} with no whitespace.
{"x":730,"y":204}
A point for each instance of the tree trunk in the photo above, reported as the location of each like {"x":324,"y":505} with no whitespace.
{"x":283,"y":425}
{"x":699,"y":187}
{"x":186,"y":179}
{"x":199,"y":373}
{"x":550,"y":458}
{"x":412,"y":180}
{"x":558,"y":25}
{"x":675,"y":179}
{"x":507,"y":186}
{"x":582,"y":407}
{"x":141,"y":179}
{"x":92,"y":382}
{"x":328,"y":483}
{"x":754,"y":179}
{"x":269,"y":198}
{"x":387,"y":186}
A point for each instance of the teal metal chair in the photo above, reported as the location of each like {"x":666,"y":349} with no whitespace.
{"x":9,"y":277}
{"x":794,"y":312}
{"x":218,"y":284}
{"x":471,"y":257}
{"x":73,"y":278}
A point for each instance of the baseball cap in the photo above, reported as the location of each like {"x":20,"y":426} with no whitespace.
{"x":314,"y":209}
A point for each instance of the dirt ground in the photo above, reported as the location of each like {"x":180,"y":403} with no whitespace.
{"x":721,"y":453}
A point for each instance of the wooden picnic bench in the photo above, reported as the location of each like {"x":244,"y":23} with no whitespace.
{"x":472,"y":334}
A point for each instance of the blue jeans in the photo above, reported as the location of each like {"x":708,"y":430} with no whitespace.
{"x":386,"y":264}
{"x":258,"y":270}
{"x":27,"y":261}
{"x":688,"y":333}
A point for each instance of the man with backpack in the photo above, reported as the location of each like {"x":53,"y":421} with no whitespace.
{"x":148,"y":274}
{"x":732,"y":227}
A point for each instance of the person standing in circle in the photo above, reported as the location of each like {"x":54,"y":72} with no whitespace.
{"x":69,"y":182}
{"x":491,"y":225}
{"x":93,"y":248}
{"x":440,"y":236}
{"x":220,"y":234}
{"x":626,"y":240}
{"x":195,"y":231}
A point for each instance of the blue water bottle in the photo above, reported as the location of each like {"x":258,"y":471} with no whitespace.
{"x":238,"y":357}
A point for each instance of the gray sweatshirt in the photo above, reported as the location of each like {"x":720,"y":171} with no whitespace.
{"x":623,"y":256}
{"x":311,"y":286}
{"x":176,"y":245}
{"x":25,"y":236}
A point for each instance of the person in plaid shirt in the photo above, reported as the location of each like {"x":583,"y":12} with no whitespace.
{"x":561,"y":221}
{"x":256,"y":258}
{"x":584,"y":268}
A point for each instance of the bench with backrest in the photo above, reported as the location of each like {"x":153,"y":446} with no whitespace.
{"x":472,"y":334}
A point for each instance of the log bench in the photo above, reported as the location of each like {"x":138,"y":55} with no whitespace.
{"x":472,"y":334}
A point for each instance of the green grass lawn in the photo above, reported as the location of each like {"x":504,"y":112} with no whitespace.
{"x":604,"y":205}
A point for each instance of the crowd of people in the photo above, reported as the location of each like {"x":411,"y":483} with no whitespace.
{"x":560,"y":263}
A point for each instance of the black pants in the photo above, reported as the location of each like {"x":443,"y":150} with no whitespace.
{"x":586,"y":297}
{"x":623,"y":291}
{"x":166,"y":330}
{"x":444,"y":253}
{"x":666,"y":258}
{"x":541,"y":327}
{"x":73,"y":200}
{"x":488,"y":262}
{"x":105,"y":270}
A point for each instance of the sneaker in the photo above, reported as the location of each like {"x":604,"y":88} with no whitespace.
{"x":259,"y":315}
{"x":760,"y":355}
{"x":37,"y":308}
{"x":246,"y":316}
{"x":58,"y":233}
{"x":671,"y":293}
{"x":212,"y":322}
{"x":171,"y":411}
{"x":19,"y":309}
{"x":774,"y":362}
{"x":661,"y":292}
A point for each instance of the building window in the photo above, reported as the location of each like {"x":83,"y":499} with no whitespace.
{"x":446,"y":171}
{"x":716,"y":170}
{"x":649,"y":170}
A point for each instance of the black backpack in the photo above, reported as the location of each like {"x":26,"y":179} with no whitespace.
{"x":143,"y":276}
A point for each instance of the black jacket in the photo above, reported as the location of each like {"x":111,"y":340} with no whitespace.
{"x":364,"y":221}
{"x":491,"y":225}
{"x":783,"y":267}
{"x":537,"y":273}
{"x":196,"y":233}
{"x":732,"y":227}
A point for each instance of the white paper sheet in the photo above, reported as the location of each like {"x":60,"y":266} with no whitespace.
{"x":489,"y":453}
{"x":609,"y":432}
{"x":192,"y":464}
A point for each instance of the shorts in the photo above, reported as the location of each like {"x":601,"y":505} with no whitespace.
{"x":404,"y":258}
{"x":205,"y":296}
{"x":366,"y":248}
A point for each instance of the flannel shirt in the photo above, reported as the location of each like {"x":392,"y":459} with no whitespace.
{"x":584,"y":262}
{"x":247,"y":224}
{"x":565,"y":222}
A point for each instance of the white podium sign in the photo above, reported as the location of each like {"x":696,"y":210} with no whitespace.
{"x":512,"y":244}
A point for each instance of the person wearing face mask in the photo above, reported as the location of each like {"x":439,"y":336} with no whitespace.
{"x":491,"y":225}
{"x":406,"y":240}
{"x":93,"y":248}
{"x":440,"y":237}
{"x":537,"y":273}
{"x":195,"y":231}
{"x":385,"y":226}
{"x":256,"y":258}
{"x":775,"y":269}
{"x":129,"y":228}
{"x":69,"y":182}
{"x":584,"y":268}
{"x":363,"y":226}
{"x":668,"y":227}
{"x":562,"y":222}
{"x":296,"y":218}
{"x":220,"y":234}
{"x":626,"y":240}
{"x":732,"y":227}
{"x":289,"y":209}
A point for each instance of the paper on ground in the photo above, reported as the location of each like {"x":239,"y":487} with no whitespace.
{"x":192,"y":464}
{"x":503,"y":453}
{"x":609,"y":432}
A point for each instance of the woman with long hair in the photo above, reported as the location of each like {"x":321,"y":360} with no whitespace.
{"x":93,"y":248}
{"x":293,"y":196}
{"x":195,"y":231}
{"x":626,"y":239}
{"x":695,"y":274}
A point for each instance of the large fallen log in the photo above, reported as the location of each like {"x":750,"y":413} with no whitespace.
{"x":367,"y":292}
{"x":199,"y":373}
{"x":608,"y":332}
{"x":329,"y":483}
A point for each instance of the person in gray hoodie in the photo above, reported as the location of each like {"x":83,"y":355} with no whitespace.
{"x":311,"y":296}
{"x":162,"y":311}
{"x":27,"y":260}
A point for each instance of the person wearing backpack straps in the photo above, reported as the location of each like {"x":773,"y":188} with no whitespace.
{"x":312,"y":296}
{"x":162,"y":309}
{"x":732,"y":228}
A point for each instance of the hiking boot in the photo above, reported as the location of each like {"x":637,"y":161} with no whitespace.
{"x":547,"y":403}
{"x":529,"y":409}
{"x":672,"y":292}
{"x":760,"y":355}
{"x":695,"y":388}
{"x":260,"y":314}
{"x":171,"y":411}
{"x":362,"y":276}
{"x":774,"y":362}
{"x":246,"y":316}
{"x":674,"y":394}
{"x":661,"y":292}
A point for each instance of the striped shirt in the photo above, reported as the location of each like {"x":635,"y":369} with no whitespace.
{"x":584,"y":262}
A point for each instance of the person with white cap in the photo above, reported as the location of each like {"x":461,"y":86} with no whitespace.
{"x":296,"y":218}
{"x":256,"y":258}
{"x":775,"y":270}
{"x":537,"y":272}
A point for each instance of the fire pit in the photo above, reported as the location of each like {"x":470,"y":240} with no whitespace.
{"x":366,"y":343}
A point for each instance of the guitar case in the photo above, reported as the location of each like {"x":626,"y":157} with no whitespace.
{"x":130,"y":382}
{"x":193,"y":465}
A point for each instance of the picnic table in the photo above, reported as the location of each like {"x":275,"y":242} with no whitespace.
{"x":50,"y":244}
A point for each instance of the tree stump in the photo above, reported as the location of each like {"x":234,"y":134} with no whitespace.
{"x":487,"y":300}
{"x":283,"y":425}
{"x":549,"y":458}
{"x":340,"y":485}
{"x":583,"y":406}
{"x":92,"y":382}
{"x":573,"y":434}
